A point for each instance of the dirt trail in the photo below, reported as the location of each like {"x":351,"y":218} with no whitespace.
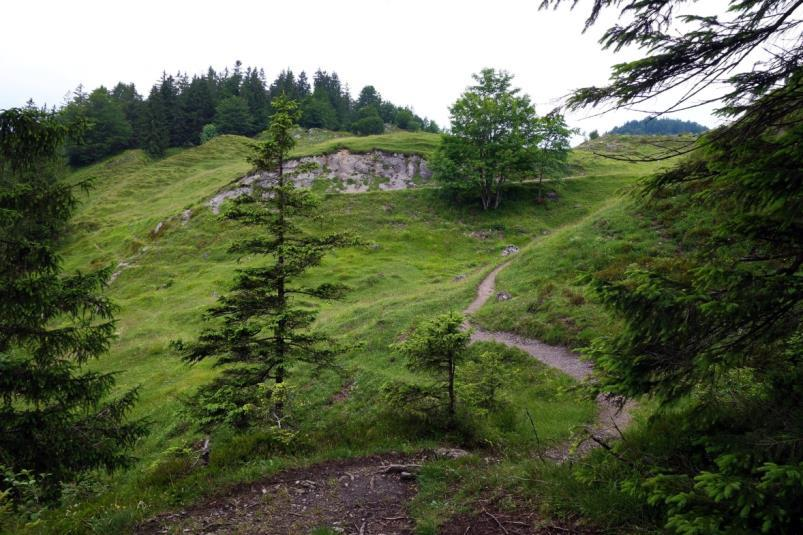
{"x":359,"y":496}
{"x":611,"y":414}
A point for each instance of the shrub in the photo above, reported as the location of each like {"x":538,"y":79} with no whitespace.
{"x":208,"y":132}
{"x":372,"y":124}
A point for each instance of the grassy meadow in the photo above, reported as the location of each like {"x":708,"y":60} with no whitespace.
{"x":424,"y":255}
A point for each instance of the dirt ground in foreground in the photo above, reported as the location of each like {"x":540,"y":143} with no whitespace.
{"x":353,"y":496}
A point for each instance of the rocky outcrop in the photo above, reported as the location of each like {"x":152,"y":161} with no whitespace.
{"x":344,"y":172}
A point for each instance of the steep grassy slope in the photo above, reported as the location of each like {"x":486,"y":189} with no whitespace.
{"x":421,"y":143}
{"x":549,"y":298}
{"x":425,"y":256}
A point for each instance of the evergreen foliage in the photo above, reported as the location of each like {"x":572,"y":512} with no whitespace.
{"x":262,"y":327}
{"x":713,"y":333}
{"x":154,"y":132}
{"x":652,"y":126}
{"x":232,"y":116}
{"x":108,"y":129}
{"x":236,"y":102}
{"x":436,"y":347}
{"x":56,"y":419}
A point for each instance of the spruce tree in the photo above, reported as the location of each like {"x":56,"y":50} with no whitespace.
{"x":154,"y":128}
{"x":108,"y":128}
{"x":263,"y":325}
{"x":436,"y":347}
{"x":55,"y":417}
{"x":232,"y":116}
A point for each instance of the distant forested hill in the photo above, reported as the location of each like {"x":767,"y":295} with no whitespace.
{"x":651,"y":127}
{"x":182,"y":111}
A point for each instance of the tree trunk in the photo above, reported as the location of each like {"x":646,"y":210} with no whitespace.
{"x":280,"y":290}
{"x":451,"y":392}
{"x":540,"y":187}
{"x":485,"y":194}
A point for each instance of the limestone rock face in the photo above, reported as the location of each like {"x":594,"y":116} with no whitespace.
{"x":344,"y":172}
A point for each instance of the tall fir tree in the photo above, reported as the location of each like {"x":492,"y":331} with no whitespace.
{"x":256,"y":97}
{"x":198,"y":106}
{"x":132,"y":105}
{"x":154,"y":128}
{"x":56,"y":418}
{"x":232,"y":116}
{"x":263,"y":324}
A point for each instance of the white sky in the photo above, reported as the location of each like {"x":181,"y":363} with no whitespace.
{"x":418,"y":53}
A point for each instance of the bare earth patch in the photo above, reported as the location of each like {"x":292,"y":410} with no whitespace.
{"x":353,"y":496}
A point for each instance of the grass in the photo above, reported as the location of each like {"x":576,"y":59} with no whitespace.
{"x":427,"y":256}
{"x":550,"y":300}
{"x":420,"y":143}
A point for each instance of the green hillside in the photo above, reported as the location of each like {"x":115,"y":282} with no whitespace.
{"x":424,"y":255}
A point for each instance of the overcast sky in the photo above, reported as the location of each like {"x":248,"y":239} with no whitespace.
{"x":417,"y":53}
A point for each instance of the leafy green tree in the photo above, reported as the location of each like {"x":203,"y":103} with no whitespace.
{"x":431,"y":126}
{"x":56,"y":418}
{"x":368,"y":121}
{"x":368,"y":125}
{"x":232,"y":116}
{"x":593,"y":134}
{"x":553,"y":154}
{"x":209,"y":131}
{"x":263,"y":324}
{"x":317,"y":112}
{"x":108,"y":130}
{"x":436,"y":347}
{"x":406,"y":120}
{"x":387,"y":110}
{"x":494,"y":139}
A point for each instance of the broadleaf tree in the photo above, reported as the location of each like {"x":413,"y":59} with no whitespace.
{"x":263,"y":325}
{"x":552,"y":157}
{"x":493,"y":139}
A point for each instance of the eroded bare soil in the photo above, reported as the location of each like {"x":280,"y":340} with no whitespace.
{"x":353,"y":497}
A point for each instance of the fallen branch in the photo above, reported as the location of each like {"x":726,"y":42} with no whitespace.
{"x":399,"y":468}
{"x":498,"y":523}
{"x":609,"y":449}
